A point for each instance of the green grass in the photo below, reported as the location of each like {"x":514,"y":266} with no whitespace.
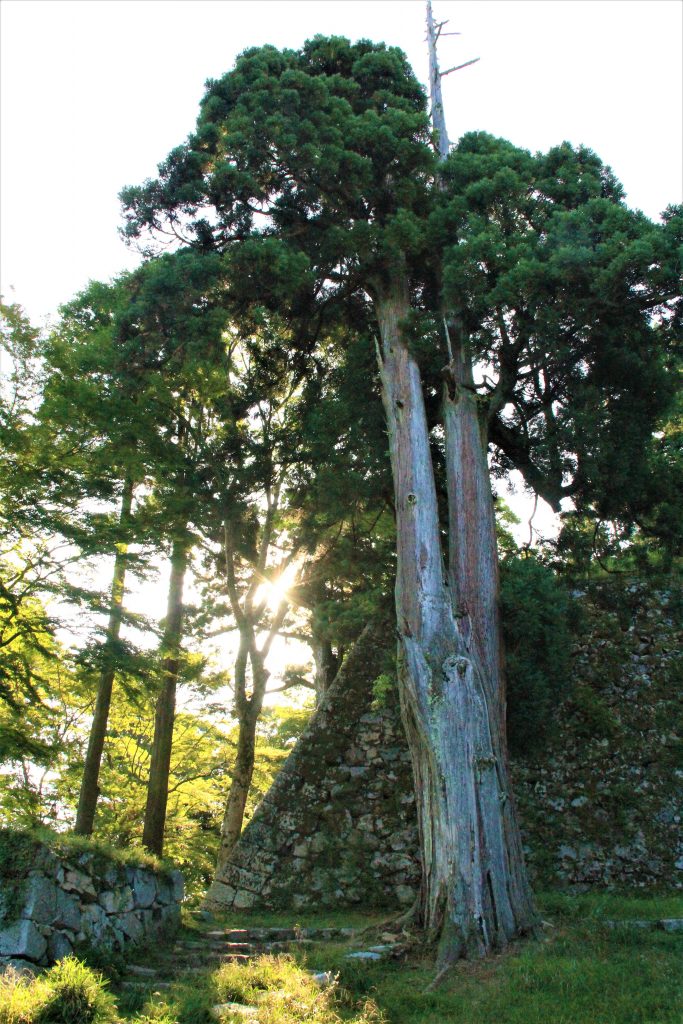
{"x":18,"y":844}
{"x":581,"y":972}
{"x":613,"y":906}
{"x":580,"y":975}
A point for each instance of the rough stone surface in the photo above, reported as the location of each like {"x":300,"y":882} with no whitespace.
{"x":144,"y":887}
{"x":22,"y":939}
{"x":56,"y":904}
{"x":338,"y":826}
{"x":600,"y":807}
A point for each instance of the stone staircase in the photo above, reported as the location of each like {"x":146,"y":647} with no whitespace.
{"x":195,"y":952}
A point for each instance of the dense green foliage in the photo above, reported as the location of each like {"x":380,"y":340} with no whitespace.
{"x":570,"y":298}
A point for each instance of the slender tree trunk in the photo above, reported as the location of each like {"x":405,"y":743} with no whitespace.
{"x":248,"y":711}
{"x":89,"y":793}
{"x":325,"y":662}
{"x":472,"y":543}
{"x":164,"y":717}
{"x":473,"y":897}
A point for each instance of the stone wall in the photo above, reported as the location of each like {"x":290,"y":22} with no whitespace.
{"x":337,"y":828}
{"x":600,"y":806}
{"x":603,"y":804}
{"x":52,"y":903}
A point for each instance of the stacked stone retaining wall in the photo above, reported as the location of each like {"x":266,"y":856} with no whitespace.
{"x":53,"y":903}
{"x":338,"y":826}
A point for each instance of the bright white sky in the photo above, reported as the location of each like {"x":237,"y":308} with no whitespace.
{"x":96,"y":92}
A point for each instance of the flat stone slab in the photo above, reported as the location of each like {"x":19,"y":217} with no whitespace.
{"x":667,"y":924}
{"x":279,"y":934}
{"x":248,"y":1012}
{"x":285,"y":944}
{"x":139,"y":983}
{"x":364,"y":955}
{"x":213,"y":947}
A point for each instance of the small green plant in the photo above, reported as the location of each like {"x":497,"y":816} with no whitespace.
{"x":382,"y":687}
{"x":69,"y":993}
{"x":76,"y":995}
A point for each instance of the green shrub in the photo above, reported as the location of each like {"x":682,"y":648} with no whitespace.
{"x":69,"y":993}
{"x":76,"y":995}
{"x":535,"y":614}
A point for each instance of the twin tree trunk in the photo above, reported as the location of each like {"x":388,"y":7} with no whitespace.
{"x":475,"y":896}
{"x":164,"y":716}
{"x":87,"y":801}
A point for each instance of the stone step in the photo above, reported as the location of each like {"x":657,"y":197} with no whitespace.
{"x":283,"y":946}
{"x":668,"y":924}
{"x":236,"y":1009}
{"x":142,"y":972}
{"x":214,"y":947}
{"x":201,"y":968}
{"x":278,"y":934}
{"x":153,"y":984}
{"x":208,"y":962}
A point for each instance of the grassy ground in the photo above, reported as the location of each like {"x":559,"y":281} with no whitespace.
{"x":580,"y":972}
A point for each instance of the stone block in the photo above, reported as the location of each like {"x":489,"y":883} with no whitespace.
{"x":144,"y":886}
{"x":40,"y":901}
{"x":68,"y":913}
{"x":23,"y":967}
{"x":130,"y":924}
{"x":94,"y":924}
{"x":59,"y":945}
{"x":244,"y":900}
{"x":220,"y":894}
{"x":243,"y":879}
{"x":405,"y":895}
{"x":117,"y":901}
{"x":22,"y":939}
{"x":164,"y":891}
{"x":178,"y":883}
{"x":78,"y":882}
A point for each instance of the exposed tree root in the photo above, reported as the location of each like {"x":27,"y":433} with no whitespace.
{"x":440,"y":976}
{"x":401,"y":922}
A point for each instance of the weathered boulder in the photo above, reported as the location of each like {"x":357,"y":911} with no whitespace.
{"x":22,"y":939}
